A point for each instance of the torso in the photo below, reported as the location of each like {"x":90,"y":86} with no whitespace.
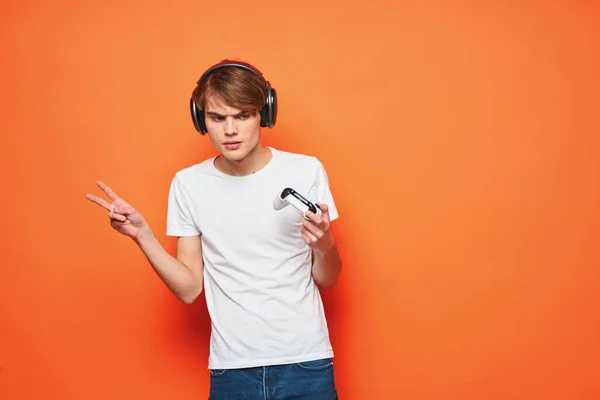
{"x":264,"y":305}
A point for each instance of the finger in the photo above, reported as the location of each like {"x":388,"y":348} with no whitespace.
{"x":99,"y":201}
{"x":309,"y":238}
{"x":116,"y":224}
{"x":109,"y":192}
{"x":128,"y":210}
{"x":324,"y":212}
{"x":306,"y":239}
{"x":320,"y":221}
{"x":312,"y":229}
{"x":314,"y":217}
{"x":124,"y":209}
{"x":135,"y":218}
{"x":117,"y":217}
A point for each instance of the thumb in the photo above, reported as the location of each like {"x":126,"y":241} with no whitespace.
{"x":324,"y":211}
{"x":124,"y":210}
{"x":135,"y":217}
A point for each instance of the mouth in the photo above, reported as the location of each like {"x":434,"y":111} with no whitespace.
{"x":232,"y":144}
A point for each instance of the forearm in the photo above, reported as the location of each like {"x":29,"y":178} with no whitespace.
{"x":326,"y":267}
{"x":179,"y":278}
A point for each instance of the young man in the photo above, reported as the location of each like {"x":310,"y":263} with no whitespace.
{"x":260,"y":263}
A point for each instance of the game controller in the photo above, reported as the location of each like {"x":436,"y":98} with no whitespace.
{"x":289,"y":196}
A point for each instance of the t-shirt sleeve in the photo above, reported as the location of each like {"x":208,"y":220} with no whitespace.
{"x":321,"y":193}
{"x":180,"y":220}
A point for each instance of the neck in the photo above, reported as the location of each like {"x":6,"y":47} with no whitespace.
{"x":257,"y":159}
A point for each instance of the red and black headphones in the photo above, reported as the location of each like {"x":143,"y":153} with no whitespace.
{"x":268,"y":113}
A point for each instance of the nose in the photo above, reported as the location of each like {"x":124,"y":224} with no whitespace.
{"x":230,"y":126}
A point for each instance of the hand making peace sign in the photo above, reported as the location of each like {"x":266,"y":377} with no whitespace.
{"x":123,"y":217}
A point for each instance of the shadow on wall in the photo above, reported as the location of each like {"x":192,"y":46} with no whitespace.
{"x":186,"y":335}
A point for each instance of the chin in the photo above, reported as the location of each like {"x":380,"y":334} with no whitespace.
{"x":234,"y":155}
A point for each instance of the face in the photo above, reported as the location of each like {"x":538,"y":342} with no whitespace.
{"x":233,"y":132}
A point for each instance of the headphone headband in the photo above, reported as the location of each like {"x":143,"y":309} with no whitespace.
{"x":229,"y":63}
{"x":268,"y":113}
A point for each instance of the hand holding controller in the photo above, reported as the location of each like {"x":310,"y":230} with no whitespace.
{"x":289,"y":196}
{"x":316,"y":226}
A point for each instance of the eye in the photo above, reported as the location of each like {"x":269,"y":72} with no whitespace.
{"x":244,"y":116}
{"x":217,"y":118}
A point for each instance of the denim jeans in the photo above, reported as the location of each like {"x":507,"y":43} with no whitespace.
{"x":305,"y":380}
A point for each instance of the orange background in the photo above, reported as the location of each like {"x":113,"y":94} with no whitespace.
{"x":461,"y":141}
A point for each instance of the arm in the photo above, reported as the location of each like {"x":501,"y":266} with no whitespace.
{"x":327,"y":266}
{"x":317,"y":234}
{"x":182,"y":274}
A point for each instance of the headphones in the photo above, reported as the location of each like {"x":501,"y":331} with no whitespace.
{"x":268,"y":113}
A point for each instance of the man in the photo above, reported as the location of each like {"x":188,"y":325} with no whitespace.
{"x":260,"y":265}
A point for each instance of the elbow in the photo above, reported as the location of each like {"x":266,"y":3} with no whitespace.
{"x":191,"y":296}
{"x":188,"y":299}
{"x":328,"y":280}
{"x":327,"y":283}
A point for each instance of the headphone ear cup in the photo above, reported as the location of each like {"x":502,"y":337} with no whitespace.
{"x":197,"y":117}
{"x":201,"y":121}
{"x":264,"y":115}
{"x":268,"y":114}
{"x":273,"y":118}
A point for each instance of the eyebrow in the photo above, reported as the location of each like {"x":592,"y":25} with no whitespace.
{"x":216,"y":114}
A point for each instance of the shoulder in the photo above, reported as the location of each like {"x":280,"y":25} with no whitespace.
{"x":303,"y":162}
{"x":194,"y":172}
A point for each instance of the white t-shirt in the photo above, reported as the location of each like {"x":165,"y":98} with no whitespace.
{"x":264,"y":305}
